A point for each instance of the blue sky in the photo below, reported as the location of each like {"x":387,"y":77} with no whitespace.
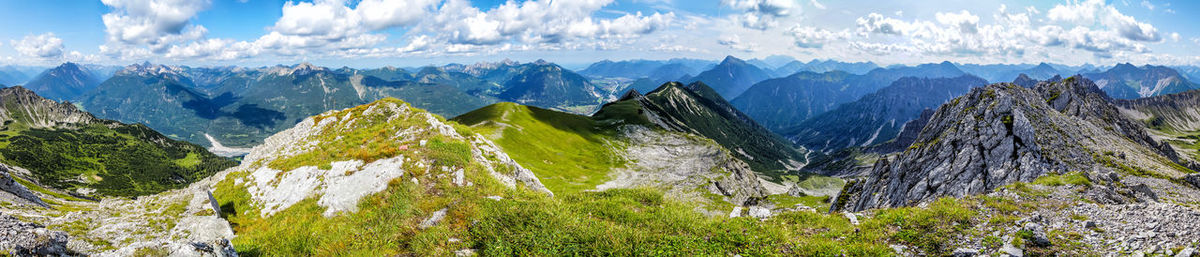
{"x":371,"y":33}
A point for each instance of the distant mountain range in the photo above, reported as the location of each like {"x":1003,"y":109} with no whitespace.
{"x":1126,"y":81}
{"x":878,"y":117}
{"x":785,"y":102}
{"x":634,"y":69}
{"x":241,"y":106}
{"x":17,"y":74}
{"x":825,"y":66}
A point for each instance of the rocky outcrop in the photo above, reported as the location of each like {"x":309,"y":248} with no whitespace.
{"x":1002,"y":134}
{"x":1079,"y":98}
{"x":341,"y":184}
{"x":685,"y":167}
{"x":12,"y":191}
{"x":18,"y":104}
{"x":20,"y":238}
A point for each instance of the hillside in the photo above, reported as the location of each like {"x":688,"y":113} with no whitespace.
{"x":597,"y":154}
{"x":698,"y":109}
{"x":878,"y":117}
{"x":70,"y":150}
{"x":549,"y":86}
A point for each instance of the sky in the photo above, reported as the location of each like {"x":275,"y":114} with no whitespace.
{"x":374,"y":33}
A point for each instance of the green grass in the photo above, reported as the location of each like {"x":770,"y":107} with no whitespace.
{"x":820,"y":203}
{"x":568,"y":153}
{"x":189,"y":161}
{"x":1107,"y":159}
{"x":370,"y":137}
{"x":818,"y":182}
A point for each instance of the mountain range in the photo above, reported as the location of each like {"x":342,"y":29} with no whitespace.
{"x":783,"y":103}
{"x":1126,"y":81}
{"x":878,"y":117}
{"x":925,"y":159}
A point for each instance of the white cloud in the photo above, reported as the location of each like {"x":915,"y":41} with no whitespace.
{"x":536,"y":22}
{"x":156,"y":23}
{"x":1175,"y":37}
{"x":380,"y":14}
{"x":761,"y":14}
{"x":45,"y":46}
{"x":1095,"y":12}
{"x":730,"y":40}
{"x":1148,"y":5}
{"x":965,"y":21}
{"x":734,"y":42}
{"x":811,"y":37}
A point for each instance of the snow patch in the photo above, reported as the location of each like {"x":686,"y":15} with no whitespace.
{"x":224,"y":151}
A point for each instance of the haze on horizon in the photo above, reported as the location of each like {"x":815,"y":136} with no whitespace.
{"x":373,"y":33}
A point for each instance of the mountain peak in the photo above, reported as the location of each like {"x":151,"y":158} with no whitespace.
{"x":306,"y":66}
{"x":147,"y":68}
{"x":631,"y":94}
{"x":730,"y":60}
{"x":1124,"y":66}
{"x":68,"y":65}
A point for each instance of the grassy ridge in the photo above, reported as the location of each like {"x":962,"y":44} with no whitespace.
{"x":521,"y":222}
{"x":567,"y":152}
{"x":612,"y":222}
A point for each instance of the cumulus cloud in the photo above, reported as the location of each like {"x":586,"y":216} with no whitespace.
{"x":1092,"y":26}
{"x":156,"y":23}
{"x":337,"y":24}
{"x":965,"y":21}
{"x":762,"y":14}
{"x":381,"y":14}
{"x":537,"y":22}
{"x":1096,"y":12}
{"x":876,"y":23}
{"x":45,"y":46}
{"x":811,"y":37}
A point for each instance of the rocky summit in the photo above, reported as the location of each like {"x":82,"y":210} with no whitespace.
{"x":1004,"y":133}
